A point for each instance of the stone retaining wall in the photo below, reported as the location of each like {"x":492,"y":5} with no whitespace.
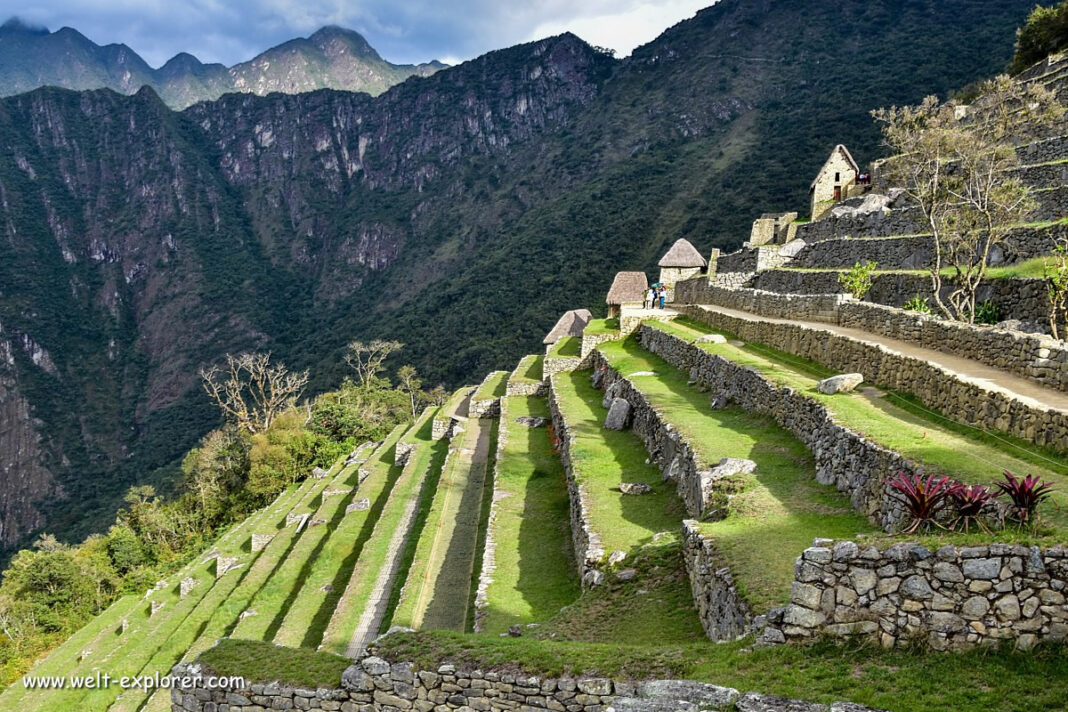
{"x":888,"y":252}
{"x":375,"y":685}
{"x":856,"y":466}
{"x":1051,"y":149}
{"x":489,"y":550}
{"x":953,"y":598}
{"x":559,"y":364}
{"x":1040,"y":358}
{"x":731,"y":280}
{"x":724,"y":614}
{"x":785,"y":306}
{"x":970,"y":402}
{"x":485,"y":408}
{"x":592,"y":341}
{"x":589,"y":552}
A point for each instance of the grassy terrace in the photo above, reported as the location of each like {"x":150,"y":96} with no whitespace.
{"x":493,"y":386}
{"x":602,"y":326}
{"x":327,"y":568}
{"x":897,"y":422}
{"x":438,"y":588}
{"x":453,"y":405}
{"x":778,"y":509}
{"x":145,"y":640}
{"x":535,"y":570}
{"x":567,"y":347}
{"x":602,"y":459}
{"x":529,"y":369}
{"x":374,"y":554}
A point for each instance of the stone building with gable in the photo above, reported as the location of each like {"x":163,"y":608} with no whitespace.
{"x":627,"y":291}
{"x":834,"y":182}
{"x":681,"y":262}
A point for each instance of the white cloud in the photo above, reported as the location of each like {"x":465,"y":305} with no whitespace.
{"x":231,"y":31}
{"x":621,"y":26}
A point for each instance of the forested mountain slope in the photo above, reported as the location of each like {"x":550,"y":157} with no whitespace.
{"x":459,"y":213}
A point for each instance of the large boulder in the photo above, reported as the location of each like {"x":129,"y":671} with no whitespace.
{"x":618,"y":417}
{"x":841,"y":383}
{"x":635,"y":488}
{"x":711,"y":339}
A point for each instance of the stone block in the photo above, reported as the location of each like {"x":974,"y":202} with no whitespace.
{"x":618,"y":417}
{"x":842,"y":383}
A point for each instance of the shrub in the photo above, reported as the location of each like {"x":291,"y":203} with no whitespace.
{"x":970,"y":501}
{"x":1045,"y":32}
{"x":857,"y":281}
{"x":918,"y":304}
{"x":1026,"y":495}
{"x":924,"y":498}
{"x":987,"y":312}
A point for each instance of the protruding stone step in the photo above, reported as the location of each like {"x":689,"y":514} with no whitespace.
{"x":224,"y":564}
{"x":260,"y":541}
{"x":186,"y":585}
{"x":358,"y":506}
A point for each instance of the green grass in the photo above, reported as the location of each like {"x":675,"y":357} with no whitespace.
{"x":775,"y":512}
{"x":896,"y":422}
{"x":112,"y":649}
{"x":602,"y":459}
{"x":454,"y":402}
{"x":567,"y":347}
{"x":263,"y":662}
{"x":903,"y":679}
{"x":345,"y":618}
{"x":331,"y":563}
{"x":493,"y":386}
{"x":1033,"y":268}
{"x":535,"y":570}
{"x":529,"y":369}
{"x":653,"y":608}
{"x":437,"y":591}
{"x":602,"y":326}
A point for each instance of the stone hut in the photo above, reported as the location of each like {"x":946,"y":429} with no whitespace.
{"x":682,"y":261}
{"x":773,"y":229}
{"x":570,"y":324}
{"x":628,"y":290}
{"x":834,"y":181}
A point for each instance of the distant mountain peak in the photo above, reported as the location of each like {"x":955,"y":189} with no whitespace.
{"x":332,"y":57}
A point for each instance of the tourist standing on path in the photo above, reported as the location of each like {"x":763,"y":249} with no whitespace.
{"x":650,"y":298}
{"x":661,"y":292}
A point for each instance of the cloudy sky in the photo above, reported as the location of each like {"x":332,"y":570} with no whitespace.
{"x":230,"y":31}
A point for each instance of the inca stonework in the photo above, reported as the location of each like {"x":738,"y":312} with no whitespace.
{"x":953,"y":597}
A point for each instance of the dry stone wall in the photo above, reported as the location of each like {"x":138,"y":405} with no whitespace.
{"x":1040,"y":358}
{"x":375,"y":685}
{"x":888,"y":253}
{"x":854,"y":465}
{"x":589,"y":552}
{"x":592,"y":341}
{"x":970,"y":402}
{"x":723,"y":612}
{"x":952,"y":598}
{"x":785,"y":306}
{"x":559,"y":364}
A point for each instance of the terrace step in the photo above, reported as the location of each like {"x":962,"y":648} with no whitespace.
{"x":362,"y":606}
{"x":437,"y":589}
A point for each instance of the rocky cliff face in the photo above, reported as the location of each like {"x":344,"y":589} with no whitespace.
{"x":332,"y":58}
{"x":459,"y":213}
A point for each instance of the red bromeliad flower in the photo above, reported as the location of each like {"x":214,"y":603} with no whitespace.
{"x":924,"y":498}
{"x":1026,"y":494}
{"x":970,"y":500}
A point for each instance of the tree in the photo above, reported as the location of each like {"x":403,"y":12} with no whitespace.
{"x":251,"y":391}
{"x":409,"y":382}
{"x":215,"y":470}
{"x":1056,"y":274}
{"x":953,"y":165}
{"x":1045,"y":32}
{"x":367,"y":359}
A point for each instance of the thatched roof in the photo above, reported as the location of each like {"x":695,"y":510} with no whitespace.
{"x":570,"y":324}
{"x":849,"y":159}
{"x":627,"y":288}
{"x":683,"y":254}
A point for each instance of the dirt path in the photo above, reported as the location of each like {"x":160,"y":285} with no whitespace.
{"x":988,"y":377}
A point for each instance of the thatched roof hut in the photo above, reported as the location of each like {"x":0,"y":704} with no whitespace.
{"x":570,"y":324}
{"x":683,"y":254}
{"x":627,"y":288}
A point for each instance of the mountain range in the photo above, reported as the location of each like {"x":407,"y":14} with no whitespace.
{"x":332,"y":58}
{"x":459,"y":213}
